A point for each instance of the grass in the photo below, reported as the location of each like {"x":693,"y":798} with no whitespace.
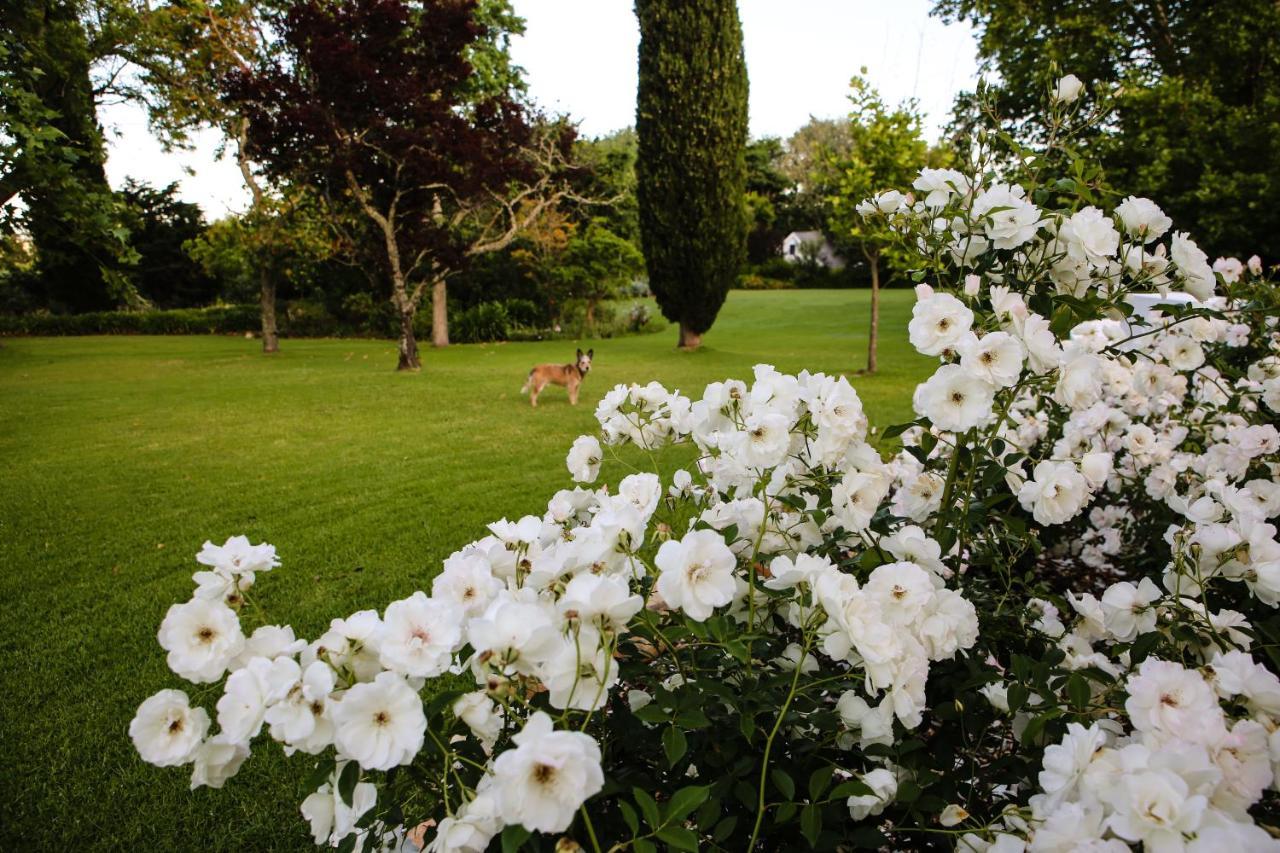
{"x":122,"y":455}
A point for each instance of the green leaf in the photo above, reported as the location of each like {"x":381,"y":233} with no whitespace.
{"x":629,"y":817}
{"x":513,"y":837}
{"x":644,"y":845}
{"x":1018,"y":694}
{"x":348,"y":844}
{"x":784,"y":782}
{"x":747,"y":725}
{"x":1078,"y":691}
{"x":674,"y":744}
{"x":679,"y":837}
{"x":347,"y":781}
{"x":811,"y":823}
{"x":648,"y":808}
{"x":321,"y":773}
{"x":724,"y":828}
{"x":819,"y":781}
{"x":685,"y":801}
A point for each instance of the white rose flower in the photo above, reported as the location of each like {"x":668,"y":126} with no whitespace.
{"x":1096,"y":468}
{"x":482,"y":715}
{"x":249,"y":691}
{"x":1229,"y":268}
{"x":901,"y":592}
{"x":217,"y":760}
{"x":419,"y":636}
{"x":1127,"y":609}
{"x":765,"y":440}
{"x":996,"y":357}
{"x":1068,"y":89}
{"x":954,"y":399}
{"x":1079,"y":380}
{"x":236,"y":556}
{"x":1008,"y":219}
{"x":1155,"y":807}
{"x":603,"y":602}
{"x":166,"y":730}
{"x":584,"y":459}
{"x":939,"y":185}
{"x":543,"y":781}
{"x":380,"y":724}
{"x":580,"y":673}
{"x":299,"y":719}
{"x":919,"y":497}
{"x":1055,"y":493}
{"x":467,"y":582}
{"x":939,"y":322}
{"x":202,"y":638}
{"x":1193,"y":266}
{"x":1090,"y":237}
{"x":696,"y":573}
{"x":884,"y":787}
{"x":331,"y":819}
{"x":1143,"y":219}
{"x":1166,"y":699}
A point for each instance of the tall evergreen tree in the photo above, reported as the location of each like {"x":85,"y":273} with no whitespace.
{"x":691,"y":117}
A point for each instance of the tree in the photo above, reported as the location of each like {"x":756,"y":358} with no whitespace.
{"x":52,"y":155}
{"x":375,"y":106}
{"x":691,"y":119}
{"x":1197,"y":115}
{"x":885,"y":151}
{"x":160,"y":225}
{"x":595,"y":265}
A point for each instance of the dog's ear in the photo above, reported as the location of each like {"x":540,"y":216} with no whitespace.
{"x":579,"y":353}
{"x":591,"y":353}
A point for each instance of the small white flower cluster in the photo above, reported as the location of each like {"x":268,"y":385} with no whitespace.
{"x":1183,"y":778}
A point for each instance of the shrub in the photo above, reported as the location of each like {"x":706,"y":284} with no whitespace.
{"x":751,"y":281}
{"x":482,"y":323}
{"x":220,"y":320}
{"x":1047,"y":621}
{"x":524,"y":312}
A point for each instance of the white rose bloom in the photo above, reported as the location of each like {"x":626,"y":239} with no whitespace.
{"x":1245,"y":761}
{"x":788,"y":572}
{"x":1043,"y":351}
{"x":696,"y":573}
{"x":1181,"y":352}
{"x":331,"y":819}
{"x":471,"y":827}
{"x":1096,"y":468}
{"x":166,"y":730}
{"x":543,"y":781}
{"x":249,"y":691}
{"x":1090,"y":237}
{"x":584,"y":459}
{"x":1143,"y":219}
{"x":1193,"y":266}
{"x":939,"y":185}
{"x":236,"y":556}
{"x":580,"y":673}
{"x":606,"y":603}
{"x":518,"y":629}
{"x":954,"y":399}
{"x":1229,"y":268}
{"x":1079,"y":381}
{"x":1155,"y":807}
{"x":901,"y":591}
{"x":217,"y":760}
{"x":202,"y":638}
{"x":1055,"y":493}
{"x":299,"y":719}
{"x":939,"y":322}
{"x":271,"y":641}
{"x":1065,"y":762}
{"x":467,"y":582}
{"x":1127,"y":610}
{"x":1008,"y":219}
{"x":1166,"y":699}
{"x":482,"y":715}
{"x":643,"y":491}
{"x":419,"y":636}
{"x":380,"y":724}
{"x":1068,"y":89}
{"x":950,"y":624}
{"x":919,"y":497}
{"x":884,"y":787}
{"x":765,"y":440}
{"x":996,"y":357}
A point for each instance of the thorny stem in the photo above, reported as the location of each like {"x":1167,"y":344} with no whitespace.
{"x":768,"y":744}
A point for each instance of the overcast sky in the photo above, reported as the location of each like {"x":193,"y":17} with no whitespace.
{"x":580,"y":59}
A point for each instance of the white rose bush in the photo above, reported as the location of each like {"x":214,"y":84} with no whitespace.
{"x":1046,"y":621}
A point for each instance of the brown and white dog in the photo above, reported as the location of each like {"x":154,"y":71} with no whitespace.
{"x":568,"y":375}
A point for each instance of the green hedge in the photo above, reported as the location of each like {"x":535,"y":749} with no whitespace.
{"x":223,"y":320}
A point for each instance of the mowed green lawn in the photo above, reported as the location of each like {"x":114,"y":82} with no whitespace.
{"x":122,"y":455}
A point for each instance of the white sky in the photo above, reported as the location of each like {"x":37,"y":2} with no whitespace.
{"x":580,"y":59}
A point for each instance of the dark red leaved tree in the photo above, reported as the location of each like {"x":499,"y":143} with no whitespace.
{"x":369,"y":101}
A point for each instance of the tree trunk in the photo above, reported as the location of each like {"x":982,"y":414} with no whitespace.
{"x":409,"y":359}
{"x":439,"y":314}
{"x":270,"y":338}
{"x":591,"y":316}
{"x":874,"y":337}
{"x":689,"y":339}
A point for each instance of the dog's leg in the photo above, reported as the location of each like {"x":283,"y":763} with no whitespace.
{"x":573,"y":393}
{"x":533,"y":393}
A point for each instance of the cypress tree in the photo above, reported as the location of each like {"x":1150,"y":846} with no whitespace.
{"x":691,"y":119}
